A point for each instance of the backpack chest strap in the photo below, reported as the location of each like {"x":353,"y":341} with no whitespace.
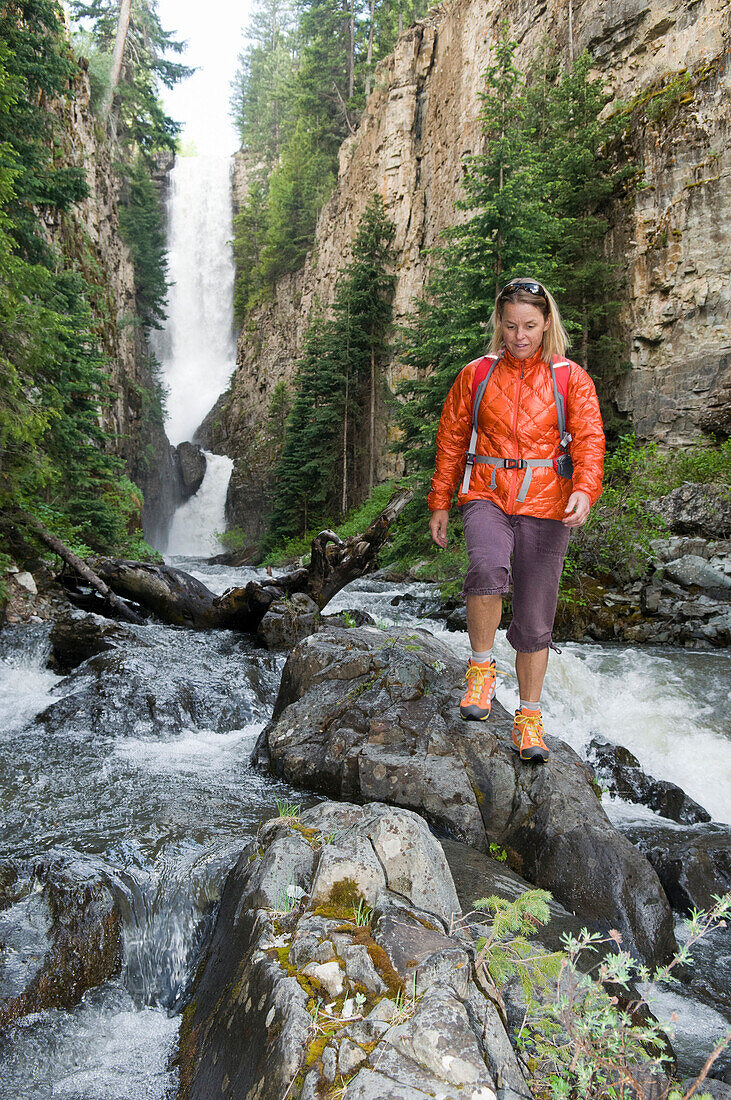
{"x":527,"y":464}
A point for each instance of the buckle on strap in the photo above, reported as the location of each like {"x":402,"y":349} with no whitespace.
{"x":470,"y":459}
{"x":514,"y":463}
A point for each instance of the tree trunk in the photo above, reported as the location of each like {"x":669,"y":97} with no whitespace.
{"x":82,"y":569}
{"x":344,"y":499}
{"x":351,"y":51}
{"x":369,"y":58}
{"x":372,"y":454}
{"x":125,"y":10}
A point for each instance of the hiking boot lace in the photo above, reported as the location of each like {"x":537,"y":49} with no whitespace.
{"x":475,"y":676}
{"x":531,"y":727}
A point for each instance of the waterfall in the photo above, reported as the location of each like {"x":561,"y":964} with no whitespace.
{"x":195,"y":523}
{"x":197,"y":347}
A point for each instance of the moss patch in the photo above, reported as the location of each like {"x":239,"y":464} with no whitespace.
{"x":343,"y":899}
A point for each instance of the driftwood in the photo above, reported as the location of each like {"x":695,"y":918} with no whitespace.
{"x":85,"y":572}
{"x":176,"y":597}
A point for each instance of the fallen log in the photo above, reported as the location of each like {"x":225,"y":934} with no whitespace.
{"x":85,"y":572}
{"x":176,"y":597}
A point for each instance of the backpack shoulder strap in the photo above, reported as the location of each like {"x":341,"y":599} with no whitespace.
{"x":560,"y":372}
{"x":484,"y":369}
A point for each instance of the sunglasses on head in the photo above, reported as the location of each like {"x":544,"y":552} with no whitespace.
{"x":519,"y":284}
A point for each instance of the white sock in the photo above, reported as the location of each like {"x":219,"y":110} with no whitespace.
{"x":480,"y":658}
{"x":525,"y":705}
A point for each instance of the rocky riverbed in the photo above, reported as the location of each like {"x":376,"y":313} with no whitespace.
{"x":120,"y":847}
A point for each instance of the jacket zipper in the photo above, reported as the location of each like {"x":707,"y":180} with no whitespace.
{"x":515,"y":473}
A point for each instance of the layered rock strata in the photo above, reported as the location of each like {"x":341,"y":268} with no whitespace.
{"x":332,"y":962}
{"x":372,"y":715}
{"x":669,"y":64}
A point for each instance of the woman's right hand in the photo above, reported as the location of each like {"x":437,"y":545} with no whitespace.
{"x":438,"y":526}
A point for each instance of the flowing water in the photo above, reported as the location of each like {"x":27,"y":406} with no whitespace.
{"x":197,"y":346}
{"x":136,"y":766}
{"x":197,"y":523}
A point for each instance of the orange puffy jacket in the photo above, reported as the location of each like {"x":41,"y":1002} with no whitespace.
{"x":518,"y":419}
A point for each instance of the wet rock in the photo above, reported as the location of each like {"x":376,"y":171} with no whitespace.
{"x":60,"y":935}
{"x":622,"y":773}
{"x":694,"y":509}
{"x":190,"y":466}
{"x":374,"y":716}
{"x":693,"y":862}
{"x":77,"y":637}
{"x":350,"y":617}
{"x":446,"y":1041}
{"x":288,"y":621}
{"x":456,"y":621}
{"x":157,"y":682}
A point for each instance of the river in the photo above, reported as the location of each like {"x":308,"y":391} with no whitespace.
{"x":159,"y":804}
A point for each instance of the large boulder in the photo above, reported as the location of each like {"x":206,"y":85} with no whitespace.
{"x":693,"y":863}
{"x":288,"y":621}
{"x":372,"y":715}
{"x":694,"y":509}
{"x":331,"y":961}
{"x":76,"y":636}
{"x":60,"y":934}
{"x":190,"y":465}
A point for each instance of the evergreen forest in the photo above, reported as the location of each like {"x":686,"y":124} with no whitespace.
{"x":59,"y":453}
{"x":300,"y":88}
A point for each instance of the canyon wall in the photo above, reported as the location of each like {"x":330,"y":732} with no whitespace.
{"x":671,"y":237}
{"x":89,"y":235}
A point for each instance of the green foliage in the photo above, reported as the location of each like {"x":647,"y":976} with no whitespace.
{"x":56,"y":458}
{"x":300,"y":86}
{"x":320,"y":469}
{"x":297,"y":189}
{"x":507,"y":951}
{"x":138,"y":120}
{"x":616,"y":537}
{"x":249,"y":224}
{"x":37,"y":67}
{"x":142,"y":225}
{"x":581,"y":1044}
{"x":260,"y":101}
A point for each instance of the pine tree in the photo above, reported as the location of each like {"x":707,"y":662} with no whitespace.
{"x":142,"y":225}
{"x":261,"y":99}
{"x":296,"y":192}
{"x":319,"y":474}
{"x":138,"y":120}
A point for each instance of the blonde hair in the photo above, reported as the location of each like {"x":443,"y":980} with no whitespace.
{"x":555,"y":338}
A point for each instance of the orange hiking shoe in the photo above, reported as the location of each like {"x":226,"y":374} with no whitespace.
{"x":477,"y":700}
{"x":528,"y":733}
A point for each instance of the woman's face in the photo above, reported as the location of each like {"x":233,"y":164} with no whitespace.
{"x":523,"y":328}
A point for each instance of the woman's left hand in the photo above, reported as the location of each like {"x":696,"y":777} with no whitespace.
{"x":577,"y":509}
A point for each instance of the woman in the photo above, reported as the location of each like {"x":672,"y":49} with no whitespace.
{"x":513,"y":498}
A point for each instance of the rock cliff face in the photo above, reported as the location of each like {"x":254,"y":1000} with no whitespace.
{"x":671,"y":239}
{"x":90,"y":234}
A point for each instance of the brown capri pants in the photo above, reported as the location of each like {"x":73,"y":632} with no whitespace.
{"x":538,"y":548}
